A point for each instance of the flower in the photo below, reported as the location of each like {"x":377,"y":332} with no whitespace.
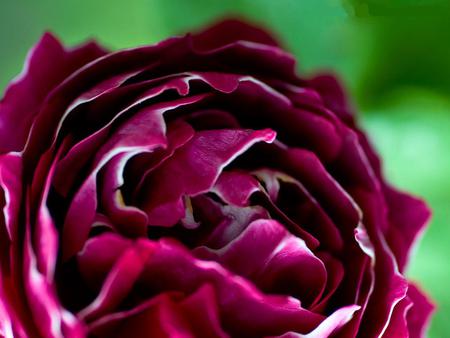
{"x":196,"y":188}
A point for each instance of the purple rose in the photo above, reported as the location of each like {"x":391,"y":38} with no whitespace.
{"x":196,"y":188}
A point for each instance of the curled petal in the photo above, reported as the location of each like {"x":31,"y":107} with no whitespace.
{"x":178,"y":271}
{"x":169,"y":314}
{"x":275,"y":260}
{"x":208,"y":151}
{"x":408,"y":217}
{"x":236,"y":187}
{"x":126,"y":143}
{"x":50,"y":318}
{"x":47,"y":65}
{"x":418,"y":317}
{"x":229,"y":31}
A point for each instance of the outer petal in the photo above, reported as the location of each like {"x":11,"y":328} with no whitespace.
{"x":229,"y":31}
{"x":408,"y":217}
{"x":333,"y":95}
{"x":11,"y":191}
{"x":419,"y":315}
{"x":48,"y":64}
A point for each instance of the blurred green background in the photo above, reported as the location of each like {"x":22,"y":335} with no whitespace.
{"x":393,"y":56}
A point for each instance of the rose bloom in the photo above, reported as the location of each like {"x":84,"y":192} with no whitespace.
{"x":196,"y":188}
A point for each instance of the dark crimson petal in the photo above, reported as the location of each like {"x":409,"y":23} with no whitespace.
{"x":98,"y":256}
{"x":11,"y":189}
{"x":208,"y":151}
{"x":229,"y":31}
{"x":47,"y":65}
{"x":255,"y":57}
{"x":124,"y":142}
{"x":169,"y":314}
{"x":398,"y":326}
{"x":127,"y":219}
{"x":390,"y":285}
{"x":6,"y":324}
{"x":236,"y":187}
{"x":419,"y":315}
{"x":178,"y":134}
{"x":333,"y":95}
{"x":226,"y":222}
{"x":303,"y":207}
{"x":98,"y":72}
{"x":278,"y":262}
{"x":331,"y":326}
{"x":308,"y":169}
{"x":408,"y":217}
{"x":80,"y":154}
{"x":177,"y":270}
{"x":118,"y":283}
{"x":354,"y":171}
{"x":45,"y":236}
{"x":335,"y":275}
{"x":243,"y":308}
{"x":51,"y":319}
{"x":245,"y":185}
{"x":256,"y":103}
{"x":411,"y":315}
{"x":205,"y":119}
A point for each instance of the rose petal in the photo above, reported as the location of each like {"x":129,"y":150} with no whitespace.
{"x":275,"y":260}
{"x":419,"y":315}
{"x":408,"y":217}
{"x":208,"y":151}
{"x":117,"y":285}
{"x":167,"y":314}
{"x":177,"y":270}
{"x":229,"y":31}
{"x":297,"y":202}
{"x":49,"y":316}
{"x":333,"y":95}
{"x":236,"y":187}
{"x":98,"y":256}
{"x":330,"y":326}
{"x":47,"y":65}
{"x":11,"y":188}
{"x":151,"y":127}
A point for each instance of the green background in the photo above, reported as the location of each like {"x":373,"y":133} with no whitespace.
{"x":393,"y":56}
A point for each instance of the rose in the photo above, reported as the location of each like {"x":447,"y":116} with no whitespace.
{"x":197,"y":187}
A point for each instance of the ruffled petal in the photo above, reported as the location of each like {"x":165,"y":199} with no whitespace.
{"x":229,"y":31}
{"x":169,"y":314}
{"x":418,"y":317}
{"x":408,"y":217}
{"x":275,"y":260}
{"x":241,"y":305}
{"x":47,"y":65}
{"x":151,"y":127}
{"x":208,"y":151}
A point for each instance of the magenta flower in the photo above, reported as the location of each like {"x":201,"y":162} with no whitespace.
{"x":196,"y":188}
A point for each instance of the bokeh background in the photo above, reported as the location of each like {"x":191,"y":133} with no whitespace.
{"x":392,"y":55}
